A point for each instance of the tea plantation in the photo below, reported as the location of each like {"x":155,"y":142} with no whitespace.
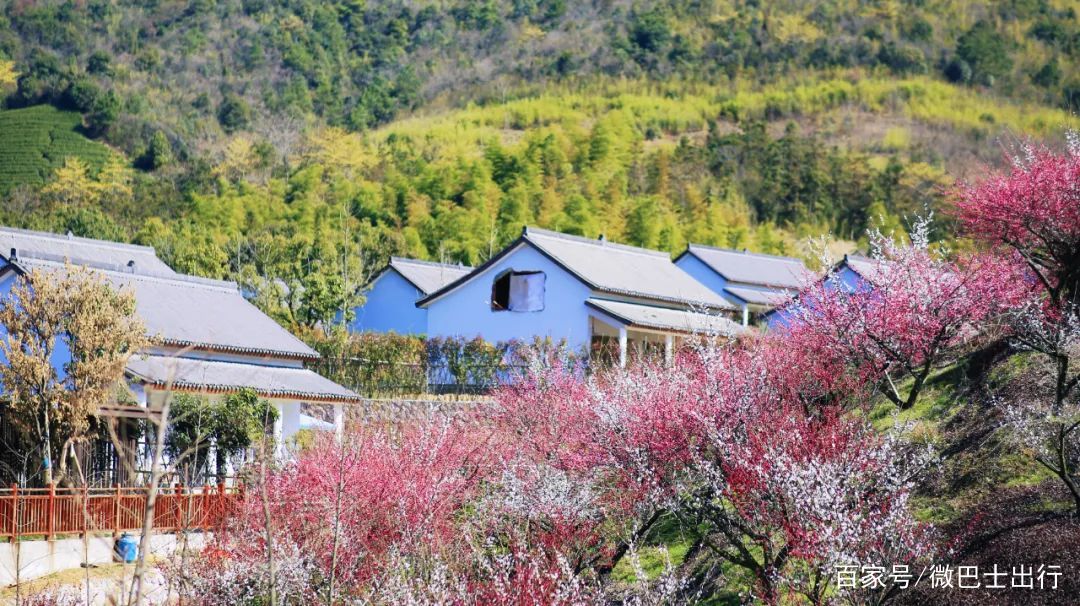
{"x":34,"y":141}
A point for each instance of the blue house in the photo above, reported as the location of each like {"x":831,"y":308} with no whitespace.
{"x":391,"y":298}
{"x":756,"y":283}
{"x":596,"y":295}
{"x":853,"y":273}
{"x":208,"y":339}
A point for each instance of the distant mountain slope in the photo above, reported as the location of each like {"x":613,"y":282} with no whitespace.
{"x":294,"y":144}
{"x":195,"y":69}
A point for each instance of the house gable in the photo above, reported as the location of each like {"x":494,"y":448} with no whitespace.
{"x":465,"y":307}
{"x":390,"y":305}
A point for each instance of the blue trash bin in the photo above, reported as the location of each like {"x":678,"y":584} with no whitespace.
{"x":127,"y":548}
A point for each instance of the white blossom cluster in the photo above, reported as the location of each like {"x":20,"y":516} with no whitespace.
{"x":208,"y":580}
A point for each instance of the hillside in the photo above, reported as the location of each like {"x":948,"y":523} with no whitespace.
{"x":193,"y":67}
{"x":297,"y":142}
{"x":36,"y":142}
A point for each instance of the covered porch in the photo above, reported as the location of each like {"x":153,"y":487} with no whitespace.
{"x":304,"y":399}
{"x":623,"y":330}
{"x":756,"y":301}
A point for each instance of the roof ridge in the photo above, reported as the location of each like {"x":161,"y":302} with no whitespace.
{"x":72,"y":238}
{"x":430,"y":263}
{"x":600,"y":243}
{"x":224,"y":285}
{"x":736,"y":251}
{"x":92,"y":263}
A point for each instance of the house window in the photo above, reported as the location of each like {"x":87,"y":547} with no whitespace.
{"x":518,"y":291}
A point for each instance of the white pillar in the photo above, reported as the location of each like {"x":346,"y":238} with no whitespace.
{"x":669,"y":349}
{"x":141,"y":458}
{"x":622,"y":347}
{"x":279,"y":430}
{"x":339,"y":421}
{"x":287,"y":426}
{"x":745,"y":315}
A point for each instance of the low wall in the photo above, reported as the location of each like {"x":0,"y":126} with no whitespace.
{"x":396,"y":410}
{"x":27,"y":560}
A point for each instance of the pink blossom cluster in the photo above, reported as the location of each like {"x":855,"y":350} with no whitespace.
{"x":1033,"y":209}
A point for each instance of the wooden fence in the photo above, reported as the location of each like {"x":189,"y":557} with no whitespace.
{"x":52,"y":511}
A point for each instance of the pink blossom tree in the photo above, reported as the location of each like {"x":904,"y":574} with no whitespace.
{"x":1032,"y":211}
{"x":443,"y":511}
{"x":918,"y":310}
{"x":723,"y":443}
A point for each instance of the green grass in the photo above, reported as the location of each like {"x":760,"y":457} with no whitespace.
{"x":936,"y":404}
{"x":34,"y":141}
{"x":670,"y":543}
{"x":666,"y":537}
{"x":946,"y":413}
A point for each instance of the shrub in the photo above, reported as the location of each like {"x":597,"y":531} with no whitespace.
{"x":233,"y":113}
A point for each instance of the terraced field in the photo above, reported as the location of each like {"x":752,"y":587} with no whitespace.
{"x":36,"y":140}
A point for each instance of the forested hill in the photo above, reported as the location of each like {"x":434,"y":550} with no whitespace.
{"x":299,"y":142}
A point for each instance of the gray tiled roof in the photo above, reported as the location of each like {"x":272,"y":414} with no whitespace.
{"x":757,"y":296}
{"x":81,"y":251}
{"x":189,"y":311}
{"x":217,"y":376}
{"x":664,"y":318}
{"x":621,"y":269}
{"x":428,"y":276}
{"x":753,"y":268}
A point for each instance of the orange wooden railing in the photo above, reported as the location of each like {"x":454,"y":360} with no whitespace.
{"x":52,"y":511}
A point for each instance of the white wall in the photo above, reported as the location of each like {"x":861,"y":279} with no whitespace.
{"x":27,"y":560}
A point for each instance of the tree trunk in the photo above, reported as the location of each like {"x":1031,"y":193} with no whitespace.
{"x":268,"y":522}
{"x":136,"y":596}
{"x":1063,"y":465}
{"x":47,"y":450}
{"x":339,"y":492}
{"x":220,"y":463}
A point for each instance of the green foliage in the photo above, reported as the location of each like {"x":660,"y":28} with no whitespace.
{"x":986,"y":51}
{"x":37,"y":140}
{"x":372,"y":362}
{"x":190,"y":427}
{"x":233,"y":113}
{"x":159,"y":153}
{"x":1049,"y":75}
{"x":228,"y":425}
{"x":240,"y":418}
{"x":363,"y":64}
{"x":379,"y":364}
{"x":99,"y":62}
